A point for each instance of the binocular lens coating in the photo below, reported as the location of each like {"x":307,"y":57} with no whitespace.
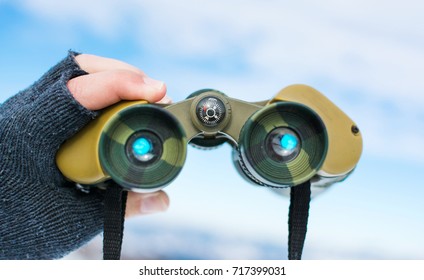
{"x":144,"y":146}
{"x":283,"y":144}
{"x":289,"y":142}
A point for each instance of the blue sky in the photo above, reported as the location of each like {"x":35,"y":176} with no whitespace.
{"x":366,"y":56}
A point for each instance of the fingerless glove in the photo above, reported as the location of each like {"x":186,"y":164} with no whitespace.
{"x":42,"y":215}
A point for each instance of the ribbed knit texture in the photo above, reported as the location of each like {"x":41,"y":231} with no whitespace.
{"x":42,"y":215}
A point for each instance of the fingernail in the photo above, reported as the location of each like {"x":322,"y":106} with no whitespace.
{"x":165,"y":100}
{"x":153,"y":83}
{"x":153,"y":203}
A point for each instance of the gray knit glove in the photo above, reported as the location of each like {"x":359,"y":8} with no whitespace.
{"x":42,"y":216}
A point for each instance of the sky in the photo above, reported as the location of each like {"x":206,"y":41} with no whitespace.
{"x":366,"y":56}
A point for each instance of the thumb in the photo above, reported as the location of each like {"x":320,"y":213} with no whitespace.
{"x":102,"y":89}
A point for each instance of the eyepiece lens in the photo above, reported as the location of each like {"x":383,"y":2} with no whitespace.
{"x":144,"y":147}
{"x":141,"y":146}
{"x":283,"y":144}
{"x":289,"y":142}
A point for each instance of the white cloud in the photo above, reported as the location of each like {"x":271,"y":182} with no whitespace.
{"x":103,"y":17}
{"x":367,"y":52}
{"x":376,"y":46}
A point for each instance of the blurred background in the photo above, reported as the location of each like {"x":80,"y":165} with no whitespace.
{"x":366,"y":56}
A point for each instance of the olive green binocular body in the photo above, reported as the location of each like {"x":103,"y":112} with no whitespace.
{"x":296,"y":136}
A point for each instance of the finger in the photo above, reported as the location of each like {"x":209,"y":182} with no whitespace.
{"x":102,"y":89}
{"x":93,"y":64}
{"x":146,"y":203}
{"x":165,"y":100}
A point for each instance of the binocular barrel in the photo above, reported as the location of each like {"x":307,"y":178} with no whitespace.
{"x":294,"y":137}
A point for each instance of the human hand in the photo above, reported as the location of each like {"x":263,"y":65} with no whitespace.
{"x":110,"y":81}
{"x":42,"y":216}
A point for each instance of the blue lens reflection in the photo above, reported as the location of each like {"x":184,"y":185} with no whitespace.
{"x":289,"y":142}
{"x":141,"y":146}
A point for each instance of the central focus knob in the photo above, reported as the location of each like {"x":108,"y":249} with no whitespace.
{"x":210,"y":111}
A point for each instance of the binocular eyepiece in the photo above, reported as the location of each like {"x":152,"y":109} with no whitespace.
{"x":282,"y":142}
{"x":143,"y":146}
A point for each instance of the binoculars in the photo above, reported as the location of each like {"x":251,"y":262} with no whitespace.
{"x":296,"y":136}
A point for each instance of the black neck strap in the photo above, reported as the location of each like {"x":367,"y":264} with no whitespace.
{"x":115,"y":203}
{"x":300,"y":197}
{"x":114,"y":217}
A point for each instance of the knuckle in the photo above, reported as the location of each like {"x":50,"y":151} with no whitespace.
{"x":126,"y":80}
